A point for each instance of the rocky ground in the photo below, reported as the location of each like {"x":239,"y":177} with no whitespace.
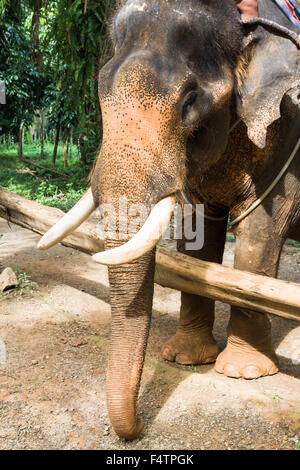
{"x":54,"y":334}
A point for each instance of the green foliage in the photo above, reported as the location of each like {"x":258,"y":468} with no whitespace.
{"x":24,"y":83}
{"x":44,"y":187}
{"x":78,"y":31}
{"x":11,"y":10}
{"x":293,"y":243}
{"x":49,"y":58}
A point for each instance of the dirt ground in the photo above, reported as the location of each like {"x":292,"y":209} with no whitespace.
{"x":53,"y":352}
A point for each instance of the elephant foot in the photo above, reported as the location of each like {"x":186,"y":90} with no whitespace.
{"x":249,"y":365}
{"x":249,"y":352}
{"x":187,"y":349}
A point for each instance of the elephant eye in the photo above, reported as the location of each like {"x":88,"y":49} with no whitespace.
{"x":187,"y":107}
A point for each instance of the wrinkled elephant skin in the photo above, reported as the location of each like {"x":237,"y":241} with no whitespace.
{"x":180,"y":77}
{"x":182,"y":74}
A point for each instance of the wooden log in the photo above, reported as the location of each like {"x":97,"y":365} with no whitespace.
{"x":240,"y":288}
{"x":34,"y":166}
{"x":173,"y":269}
{"x":39,"y":218}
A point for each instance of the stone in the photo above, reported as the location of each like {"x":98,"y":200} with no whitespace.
{"x":8,"y":279}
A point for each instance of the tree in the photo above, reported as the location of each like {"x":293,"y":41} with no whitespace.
{"x":50,"y":52}
{"x":78,"y":29}
{"x":24,"y":83}
{"x":35,"y":33}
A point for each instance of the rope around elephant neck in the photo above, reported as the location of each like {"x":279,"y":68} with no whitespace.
{"x":258,"y":201}
{"x":272,"y":186}
{"x":187,"y":200}
{"x":294,"y":37}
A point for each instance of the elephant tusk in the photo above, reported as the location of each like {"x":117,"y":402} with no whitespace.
{"x":146,"y":239}
{"x":67,"y":224}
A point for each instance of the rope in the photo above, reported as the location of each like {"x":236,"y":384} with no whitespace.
{"x":208,"y":217}
{"x":294,"y":37}
{"x":257,"y":202}
{"x":267,"y":192}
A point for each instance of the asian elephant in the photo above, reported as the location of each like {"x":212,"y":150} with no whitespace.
{"x":194,"y":100}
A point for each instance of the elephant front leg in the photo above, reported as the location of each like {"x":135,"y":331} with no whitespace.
{"x":249,"y":352}
{"x":193,"y":343}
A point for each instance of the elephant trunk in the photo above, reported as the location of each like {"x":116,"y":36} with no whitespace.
{"x":131,"y":290}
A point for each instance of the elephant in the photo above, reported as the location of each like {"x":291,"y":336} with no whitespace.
{"x":196,"y":102}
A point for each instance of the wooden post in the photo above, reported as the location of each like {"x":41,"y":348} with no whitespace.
{"x":173,"y":269}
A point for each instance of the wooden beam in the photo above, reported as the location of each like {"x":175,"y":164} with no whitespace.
{"x":240,"y":288}
{"x":173,"y":269}
{"x":39,"y":218}
{"x":34,"y":166}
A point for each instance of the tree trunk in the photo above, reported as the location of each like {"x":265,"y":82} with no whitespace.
{"x":67,"y":149}
{"x":20,"y":144}
{"x":35,"y":33}
{"x":71,"y":143}
{"x":82,"y":151}
{"x":55,"y":146}
{"x":42,"y":134}
{"x":85,"y":6}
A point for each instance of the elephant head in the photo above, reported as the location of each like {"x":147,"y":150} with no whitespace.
{"x":167,"y":90}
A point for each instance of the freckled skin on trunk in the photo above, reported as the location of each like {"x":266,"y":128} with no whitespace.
{"x":130,"y":323}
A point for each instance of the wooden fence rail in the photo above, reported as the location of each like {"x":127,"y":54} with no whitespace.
{"x":173,"y":269}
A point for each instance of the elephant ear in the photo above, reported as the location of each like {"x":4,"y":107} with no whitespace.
{"x":268,"y":69}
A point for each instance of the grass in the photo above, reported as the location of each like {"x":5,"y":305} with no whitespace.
{"x":42,"y":186}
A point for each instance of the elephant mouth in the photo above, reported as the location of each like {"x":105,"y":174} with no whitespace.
{"x":140,"y":244}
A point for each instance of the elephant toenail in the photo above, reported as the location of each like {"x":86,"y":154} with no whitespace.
{"x":231,"y":371}
{"x":209,"y":360}
{"x":167,"y":354}
{"x":183,"y":359}
{"x":273,"y":370}
{"x":251,"y":372}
